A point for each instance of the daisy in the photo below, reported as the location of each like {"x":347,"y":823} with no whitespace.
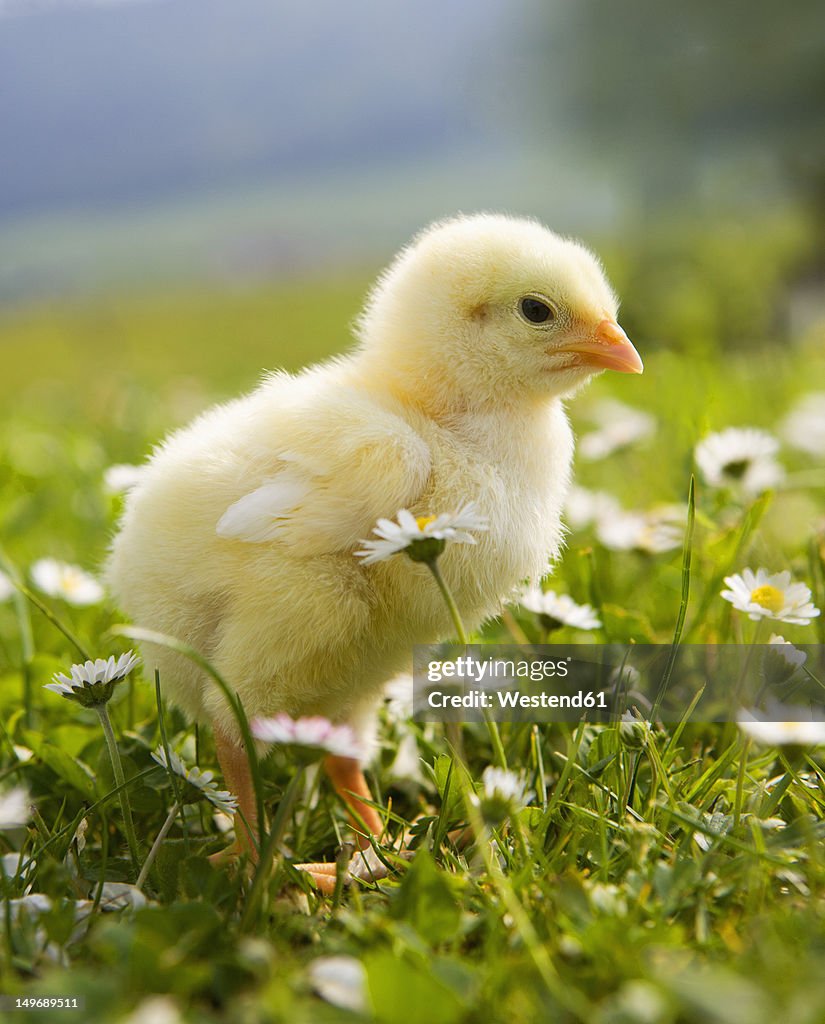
{"x":764,"y":595}
{"x":14,"y":808}
{"x":804,"y":426}
{"x":399,"y":697}
{"x":561,"y":609}
{"x":805,"y":733}
{"x":503,"y":793}
{"x":6,"y":587}
{"x":91,"y":684}
{"x":633,"y":729}
{"x":653,"y":532}
{"x":423,"y":538}
{"x":202,"y":781}
{"x":316,"y":733}
{"x":121,"y":477}
{"x":619,"y":426}
{"x":500,"y":784}
{"x":786,"y":650}
{"x":780,"y":659}
{"x":59,"y":579}
{"x":583,"y":507}
{"x":740,"y":457}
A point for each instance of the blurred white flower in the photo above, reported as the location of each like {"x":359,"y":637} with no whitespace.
{"x":770,"y":595}
{"x":780,"y":660}
{"x":740,"y":457}
{"x":6,"y":587}
{"x":805,"y":733}
{"x":14,"y":808}
{"x":398,"y":694}
{"x":121,"y":477}
{"x":155,"y":1010}
{"x":653,"y":532}
{"x":619,"y":425}
{"x":223,"y":822}
{"x":118,"y":895}
{"x":607,"y":898}
{"x":559,"y":607}
{"x":202,"y":781}
{"x":502,"y":784}
{"x":503,"y":793}
{"x":93,"y":682}
{"x":17,"y":864}
{"x":70,"y":582}
{"x":804,"y":426}
{"x":341,"y":981}
{"x":314,"y":733}
{"x":424,"y":538}
{"x":584,"y":507}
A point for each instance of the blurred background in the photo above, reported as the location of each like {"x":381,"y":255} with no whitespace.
{"x":193,"y":191}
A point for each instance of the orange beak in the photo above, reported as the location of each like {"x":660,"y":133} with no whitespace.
{"x":609,"y":348}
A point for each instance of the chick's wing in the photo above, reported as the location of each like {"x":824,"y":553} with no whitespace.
{"x":332,"y":482}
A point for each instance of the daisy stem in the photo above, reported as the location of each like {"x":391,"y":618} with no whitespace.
{"x":147,"y":864}
{"x":120,"y":781}
{"x":492,"y":728}
{"x":432,"y":565}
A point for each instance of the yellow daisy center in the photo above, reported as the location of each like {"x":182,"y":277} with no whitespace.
{"x":70,"y":582}
{"x":768,"y":597}
{"x":423,"y":521}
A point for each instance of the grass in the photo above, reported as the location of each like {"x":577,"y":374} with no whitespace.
{"x":679,"y":880}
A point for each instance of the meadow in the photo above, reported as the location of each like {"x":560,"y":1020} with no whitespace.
{"x":653,"y":874}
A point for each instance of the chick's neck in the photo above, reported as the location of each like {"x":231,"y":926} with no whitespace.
{"x":436,"y":390}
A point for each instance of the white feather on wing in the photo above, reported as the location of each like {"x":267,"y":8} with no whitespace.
{"x":260,"y":515}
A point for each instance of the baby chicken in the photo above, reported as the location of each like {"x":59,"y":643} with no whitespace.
{"x":239,"y":537}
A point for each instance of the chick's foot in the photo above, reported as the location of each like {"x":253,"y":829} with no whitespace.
{"x":365,"y":866}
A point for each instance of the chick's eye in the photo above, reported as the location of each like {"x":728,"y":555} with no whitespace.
{"x":536,"y":311}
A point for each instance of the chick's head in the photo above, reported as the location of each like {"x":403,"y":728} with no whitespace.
{"x":491,"y":306}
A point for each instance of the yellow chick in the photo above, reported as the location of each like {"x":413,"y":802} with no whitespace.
{"x":239,"y":538}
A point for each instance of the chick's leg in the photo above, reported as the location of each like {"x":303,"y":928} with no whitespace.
{"x":349,"y":783}
{"x":235,"y":767}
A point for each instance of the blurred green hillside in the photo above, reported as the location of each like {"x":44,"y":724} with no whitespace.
{"x":222,"y":338}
